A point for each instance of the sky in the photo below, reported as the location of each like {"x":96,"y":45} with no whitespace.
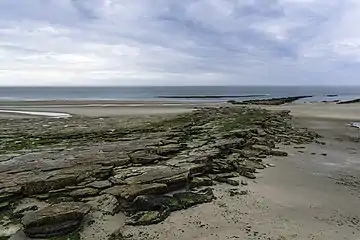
{"x":187,"y":42}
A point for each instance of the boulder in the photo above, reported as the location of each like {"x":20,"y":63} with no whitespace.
{"x":154,"y":209}
{"x":178,"y":201}
{"x":129,"y":192}
{"x":54,"y":220}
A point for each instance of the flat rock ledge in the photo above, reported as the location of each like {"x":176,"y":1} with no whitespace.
{"x":146,"y":171}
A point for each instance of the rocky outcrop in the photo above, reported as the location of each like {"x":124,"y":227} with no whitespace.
{"x":55,"y":220}
{"x":134,"y":170}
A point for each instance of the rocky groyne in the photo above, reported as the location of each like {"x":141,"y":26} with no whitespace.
{"x":270,"y":101}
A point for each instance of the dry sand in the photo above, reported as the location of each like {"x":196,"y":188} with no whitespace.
{"x":314,"y":193}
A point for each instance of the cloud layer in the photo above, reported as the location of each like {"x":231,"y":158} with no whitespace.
{"x":188,"y":42}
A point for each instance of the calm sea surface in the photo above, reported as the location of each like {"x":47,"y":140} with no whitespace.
{"x":152,"y":93}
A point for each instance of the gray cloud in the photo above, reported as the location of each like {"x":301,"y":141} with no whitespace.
{"x":160,"y":42}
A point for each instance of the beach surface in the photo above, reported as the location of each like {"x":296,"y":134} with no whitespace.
{"x":313,"y":193}
{"x":21,"y":109}
{"x":105,"y":108}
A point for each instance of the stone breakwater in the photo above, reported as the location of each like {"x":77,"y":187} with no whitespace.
{"x":270,"y":101}
{"x":54,"y":172}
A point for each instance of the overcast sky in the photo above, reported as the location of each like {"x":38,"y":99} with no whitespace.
{"x":172,"y":42}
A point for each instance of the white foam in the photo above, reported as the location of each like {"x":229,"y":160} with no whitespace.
{"x":45,"y":114}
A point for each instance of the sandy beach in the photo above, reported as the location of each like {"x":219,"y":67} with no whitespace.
{"x":313,"y":193}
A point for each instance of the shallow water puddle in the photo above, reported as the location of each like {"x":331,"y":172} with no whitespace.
{"x":45,"y":114}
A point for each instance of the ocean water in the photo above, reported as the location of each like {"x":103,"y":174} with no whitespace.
{"x":153,"y":93}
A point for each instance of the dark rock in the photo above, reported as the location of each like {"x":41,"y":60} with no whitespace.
{"x":130,"y":192}
{"x":178,"y":201}
{"x":148,"y":217}
{"x":54,"y":220}
{"x":84,"y":192}
{"x":349,"y":101}
{"x":4,"y":205}
{"x":236,"y":192}
{"x":188,"y":199}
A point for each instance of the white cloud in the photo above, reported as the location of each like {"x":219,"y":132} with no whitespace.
{"x":160,"y":42}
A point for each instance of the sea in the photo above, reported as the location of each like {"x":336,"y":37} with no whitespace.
{"x":181,"y":93}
